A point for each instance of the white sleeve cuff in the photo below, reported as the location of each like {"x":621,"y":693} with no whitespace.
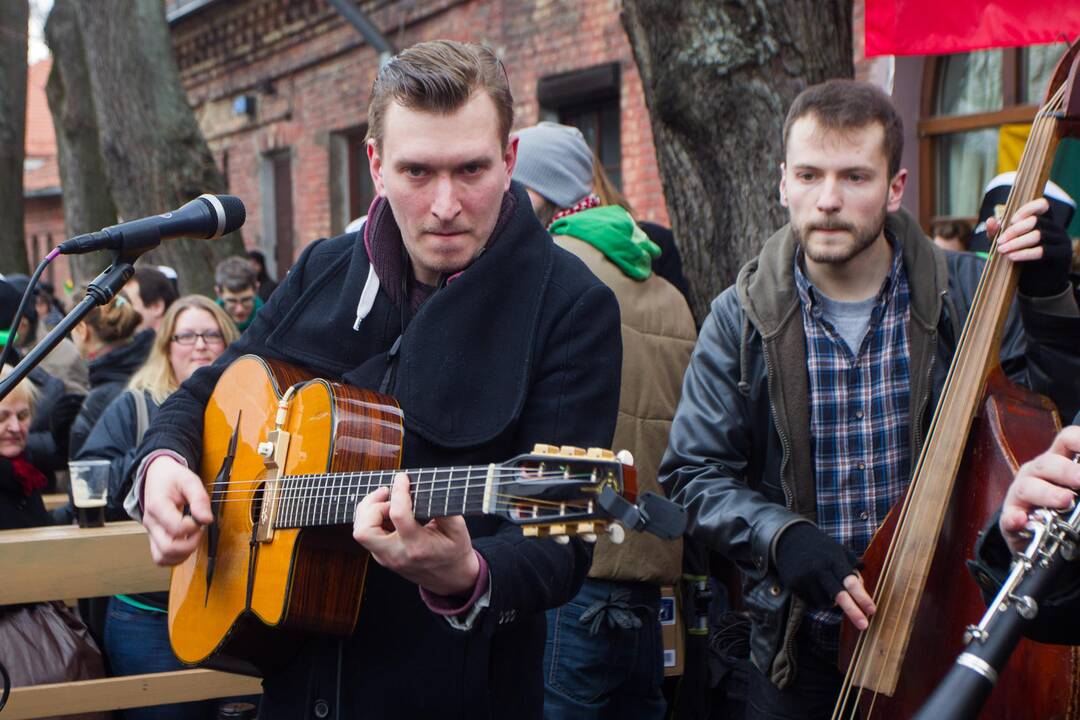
{"x":133,"y":501}
{"x":466,"y":623}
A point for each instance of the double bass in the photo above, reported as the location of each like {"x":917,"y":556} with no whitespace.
{"x":983,"y":429}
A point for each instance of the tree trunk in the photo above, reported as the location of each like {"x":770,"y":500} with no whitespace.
{"x":14,"y":24}
{"x":718,"y":77}
{"x":88,"y":206}
{"x":154,"y":152}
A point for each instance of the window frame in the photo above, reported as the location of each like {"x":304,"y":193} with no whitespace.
{"x":585,"y":91}
{"x":930,"y":126}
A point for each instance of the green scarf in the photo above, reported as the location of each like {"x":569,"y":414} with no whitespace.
{"x":612,"y":231}
{"x":251,"y":318}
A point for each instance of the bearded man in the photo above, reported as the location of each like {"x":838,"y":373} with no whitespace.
{"x":815,"y":378}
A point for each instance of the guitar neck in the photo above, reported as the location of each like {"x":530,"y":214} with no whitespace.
{"x":331,"y":498}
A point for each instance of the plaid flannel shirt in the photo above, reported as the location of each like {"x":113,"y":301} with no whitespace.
{"x":859,"y":421}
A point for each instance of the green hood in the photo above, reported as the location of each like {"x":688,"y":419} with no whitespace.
{"x":612,"y":231}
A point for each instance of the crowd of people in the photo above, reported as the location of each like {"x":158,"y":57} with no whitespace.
{"x":92,"y":399}
{"x":503,"y":291}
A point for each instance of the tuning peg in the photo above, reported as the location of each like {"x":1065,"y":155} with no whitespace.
{"x":571,"y":451}
{"x":542,"y":449}
{"x":616,"y":532}
{"x":600,"y":453}
{"x":530,"y":531}
{"x":588,"y":537}
{"x":561,"y":539}
{"x":625,"y":457}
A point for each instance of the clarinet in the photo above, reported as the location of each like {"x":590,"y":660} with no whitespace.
{"x":1055,"y":542}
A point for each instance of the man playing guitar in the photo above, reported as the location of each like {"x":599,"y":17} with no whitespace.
{"x":454,"y":300}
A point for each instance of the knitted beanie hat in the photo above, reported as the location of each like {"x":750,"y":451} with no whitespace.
{"x":555,"y":161}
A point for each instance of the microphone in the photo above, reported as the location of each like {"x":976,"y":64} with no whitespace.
{"x":207,"y":216}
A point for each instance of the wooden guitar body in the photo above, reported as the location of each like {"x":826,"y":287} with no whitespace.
{"x":1040,"y":681}
{"x":261,"y":594}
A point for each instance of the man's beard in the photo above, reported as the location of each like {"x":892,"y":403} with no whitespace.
{"x":863,"y":236}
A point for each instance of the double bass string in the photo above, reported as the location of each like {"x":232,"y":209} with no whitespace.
{"x":1041,"y":135}
{"x":992,"y":282}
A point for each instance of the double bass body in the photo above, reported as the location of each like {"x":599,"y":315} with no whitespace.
{"x":1040,"y":681}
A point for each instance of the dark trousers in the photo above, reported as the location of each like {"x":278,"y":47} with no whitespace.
{"x":811,"y":696}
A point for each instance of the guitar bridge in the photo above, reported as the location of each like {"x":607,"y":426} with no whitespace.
{"x":273,"y":452}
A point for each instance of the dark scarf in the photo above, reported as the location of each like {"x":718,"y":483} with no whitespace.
{"x":386,"y":251}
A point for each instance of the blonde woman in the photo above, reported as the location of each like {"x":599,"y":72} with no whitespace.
{"x":194,"y":332}
{"x":43,"y":642}
{"x":21,"y":482}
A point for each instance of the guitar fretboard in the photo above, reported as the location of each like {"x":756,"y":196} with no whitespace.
{"x":331,"y":498}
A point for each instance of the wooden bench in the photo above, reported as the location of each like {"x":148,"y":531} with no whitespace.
{"x":54,"y":563}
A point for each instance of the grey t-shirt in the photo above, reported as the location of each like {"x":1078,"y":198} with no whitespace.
{"x":850,"y":319}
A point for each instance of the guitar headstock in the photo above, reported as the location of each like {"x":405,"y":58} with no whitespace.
{"x":555,"y":491}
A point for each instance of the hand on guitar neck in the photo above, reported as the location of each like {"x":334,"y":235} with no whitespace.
{"x":437,"y":556}
{"x":168,"y":489}
{"x":1033,"y":239}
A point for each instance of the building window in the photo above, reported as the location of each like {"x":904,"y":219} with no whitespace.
{"x":588,"y":100}
{"x":275,"y":181}
{"x":351,"y":187}
{"x":973,"y":103}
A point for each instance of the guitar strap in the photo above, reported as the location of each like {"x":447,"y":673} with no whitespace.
{"x":142,"y":421}
{"x":142,"y":415}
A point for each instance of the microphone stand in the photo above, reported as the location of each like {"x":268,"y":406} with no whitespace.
{"x":99,"y":292}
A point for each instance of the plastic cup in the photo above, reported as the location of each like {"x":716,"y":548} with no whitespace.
{"x":89,"y":490}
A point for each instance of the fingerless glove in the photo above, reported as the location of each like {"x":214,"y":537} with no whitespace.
{"x":813,"y":565}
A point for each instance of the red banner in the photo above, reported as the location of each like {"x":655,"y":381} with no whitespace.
{"x":933,"y":27}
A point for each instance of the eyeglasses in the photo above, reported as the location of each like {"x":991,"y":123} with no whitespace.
{"x":248,"y":300}
{"x":213,"y":337}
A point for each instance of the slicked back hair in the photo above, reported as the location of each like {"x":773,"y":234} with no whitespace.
{"x":842,"y":105}
{"x":440,"y":77}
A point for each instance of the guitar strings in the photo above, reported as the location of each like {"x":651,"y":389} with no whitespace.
{"x":341,"y":481}
{"x":417,"y":501}
{"x":570,"y":505}
{"x":288,"y":483}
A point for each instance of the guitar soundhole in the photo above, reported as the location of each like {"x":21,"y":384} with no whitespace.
{"x":256,"y":504}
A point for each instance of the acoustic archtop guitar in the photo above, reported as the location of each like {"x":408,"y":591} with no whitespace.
{"x":286,"y":458}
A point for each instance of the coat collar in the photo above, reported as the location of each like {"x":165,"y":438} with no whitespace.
{"x":466,"y":357}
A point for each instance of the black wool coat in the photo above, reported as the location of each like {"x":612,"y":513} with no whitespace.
{"x":17,"y":510}
{"x":523,"y":347}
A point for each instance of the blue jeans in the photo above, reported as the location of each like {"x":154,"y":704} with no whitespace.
{"x":136,"y":642}
{"x":616,"y":673}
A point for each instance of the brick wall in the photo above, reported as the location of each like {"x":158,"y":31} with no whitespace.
{"x":44,"y":228}
{"x":310,"y":73}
